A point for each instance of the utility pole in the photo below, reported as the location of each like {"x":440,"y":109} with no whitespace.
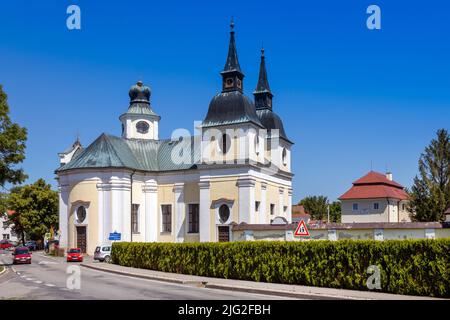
{"x":328,"y":212}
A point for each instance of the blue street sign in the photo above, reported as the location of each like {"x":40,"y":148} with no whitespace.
{"x":114,"y":236}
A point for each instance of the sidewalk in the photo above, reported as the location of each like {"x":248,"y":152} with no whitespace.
{"x":292,"y":291}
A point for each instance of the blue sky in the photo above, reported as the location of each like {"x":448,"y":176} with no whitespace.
{"x":348,"y":96}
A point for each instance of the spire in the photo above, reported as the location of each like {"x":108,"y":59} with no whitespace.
{"x":232,"y":74}
{"x":262,"y":93}
{"x":232,"y":63}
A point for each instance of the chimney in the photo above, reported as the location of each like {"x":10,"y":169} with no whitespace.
{"x":389,"y":176}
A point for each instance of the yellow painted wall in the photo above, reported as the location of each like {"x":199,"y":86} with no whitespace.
{"x":166,"y":196}
{"x":85,"y":191}
{"x":223,"y":188}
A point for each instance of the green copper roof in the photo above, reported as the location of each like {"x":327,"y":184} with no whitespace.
{"x":109,"y":151}
{"x":141,"y":108}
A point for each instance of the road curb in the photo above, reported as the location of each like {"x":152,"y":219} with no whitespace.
{"x":302,"y":295}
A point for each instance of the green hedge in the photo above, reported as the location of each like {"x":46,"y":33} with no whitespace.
{"x":415,"y":267}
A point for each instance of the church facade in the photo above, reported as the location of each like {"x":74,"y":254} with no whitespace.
{"x":235,"y":169}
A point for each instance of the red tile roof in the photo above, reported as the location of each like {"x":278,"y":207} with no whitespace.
{"x":298,"y":209}
{"x":10,"y":212}
{"x":375,"y":185}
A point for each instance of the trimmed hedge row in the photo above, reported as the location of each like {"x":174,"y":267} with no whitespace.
{"x":415,"y":267}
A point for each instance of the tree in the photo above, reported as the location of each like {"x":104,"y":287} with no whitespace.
{"x":12,"y":145}
{"x":335,"y":211}
{"x":36,"y":209}
{"x":430,"y":194}
{"x":316,"y":206}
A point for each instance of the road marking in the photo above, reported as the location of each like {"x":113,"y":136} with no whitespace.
{"x":50,"y":285}
{"x":29,"y":279}
{"x":22,"y":276}
{"x":47,"y":262}
{"x":37,"y":281}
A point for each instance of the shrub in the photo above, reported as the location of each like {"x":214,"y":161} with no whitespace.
{"x":415,"y":267}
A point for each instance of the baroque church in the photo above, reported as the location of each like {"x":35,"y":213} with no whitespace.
{"x":237,"y":169}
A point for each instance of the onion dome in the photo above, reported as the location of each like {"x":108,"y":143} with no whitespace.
{"x":140,"y":100}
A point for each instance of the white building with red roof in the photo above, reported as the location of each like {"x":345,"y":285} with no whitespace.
{"x":375,"y":198}
{"x":6,"y":231}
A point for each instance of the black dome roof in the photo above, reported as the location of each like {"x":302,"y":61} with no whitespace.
{"x":270,"y":120}
{"x":230,"y":108}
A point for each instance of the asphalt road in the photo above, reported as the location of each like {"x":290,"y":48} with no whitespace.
{"x":47,"y":278}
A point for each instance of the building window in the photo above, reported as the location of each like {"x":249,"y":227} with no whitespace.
{"x":376,"y":206}
{"x":193,"y":215}
{"x":5,"y":236}
{"x":257,"y":144}
{"x":257,"y":203}
{"x":285,"y":209}
{"x":284,"y":156}
{"x":225,"y":143}
{"x":81,"y":214}
{"x":142,"y":127}
{"x":272,"y":209}
{"x":5,"y":225}
{"x":135,"y":218}
{"x":224,"y":213}
{"x":403,"y":207}
{"x":166,"y":211}
{"x":355,"y":207}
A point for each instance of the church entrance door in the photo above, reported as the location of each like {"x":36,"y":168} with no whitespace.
{"x":81,"y":238}
{"x":224,"y":233}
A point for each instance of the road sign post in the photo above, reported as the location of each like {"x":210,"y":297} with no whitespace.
{"x":115,"y":236}
{"x":302,"y":230}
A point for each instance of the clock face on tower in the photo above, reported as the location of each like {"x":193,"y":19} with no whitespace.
{"x":142,"y":127}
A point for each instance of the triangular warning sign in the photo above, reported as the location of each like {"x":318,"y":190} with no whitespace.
{"x":302,"y":230}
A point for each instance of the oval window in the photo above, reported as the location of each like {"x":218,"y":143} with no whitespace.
{"x":142,"y":127}
{"x":81,"y":214}
{"x":224,"y":213}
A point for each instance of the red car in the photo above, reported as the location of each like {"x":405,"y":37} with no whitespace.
{"x":21,"y":255}
{"x":74,"y":254}
{"x":5,"y":244}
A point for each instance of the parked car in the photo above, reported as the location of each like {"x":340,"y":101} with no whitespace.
{"x":21,"y":255}
{"x":32,"y":245}
{"x":74,"y":254}
{"x":103,"y":253}
{"x":5,"y":244}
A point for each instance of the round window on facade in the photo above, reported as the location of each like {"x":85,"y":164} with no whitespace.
{"x":142,"y":127}
{"x":284,"y":156}
{"x":224,"y":213}
{"x":81,"y":214}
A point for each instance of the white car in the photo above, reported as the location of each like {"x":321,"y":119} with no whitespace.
{"x":103,"y":253}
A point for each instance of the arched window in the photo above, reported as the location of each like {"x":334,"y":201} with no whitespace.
{"x":81,"y":214}
{"x":256,"y":144}
{"x":284,"y":156}
{"x":225,"y":143}
{"x":224,"y":213}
